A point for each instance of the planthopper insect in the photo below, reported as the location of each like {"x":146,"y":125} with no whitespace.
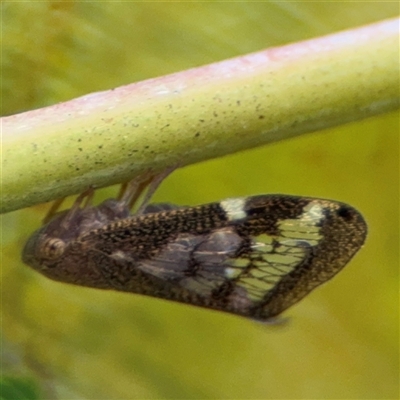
{"x":251,"y":256}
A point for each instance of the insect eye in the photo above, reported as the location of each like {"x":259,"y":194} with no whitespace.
{"x":53,"y":248}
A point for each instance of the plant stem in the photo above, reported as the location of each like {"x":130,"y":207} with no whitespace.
{"x":110,"y":137}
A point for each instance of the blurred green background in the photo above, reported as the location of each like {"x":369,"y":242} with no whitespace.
{"x":341,"y":342}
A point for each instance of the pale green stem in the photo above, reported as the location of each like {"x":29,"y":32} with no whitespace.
{"x":198,"y":114}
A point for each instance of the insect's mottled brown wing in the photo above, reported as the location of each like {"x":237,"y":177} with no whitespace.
{"x":253,"y":256}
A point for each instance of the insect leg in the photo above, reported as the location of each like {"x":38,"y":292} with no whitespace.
{"x":57,"y":204}
{"x":53,"y":210}
{"x":131,"y":191}
{"x":153,"y":184}
{"x":88,"y":195}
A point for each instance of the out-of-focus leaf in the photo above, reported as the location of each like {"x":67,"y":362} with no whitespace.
{"x":12,"y":388}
